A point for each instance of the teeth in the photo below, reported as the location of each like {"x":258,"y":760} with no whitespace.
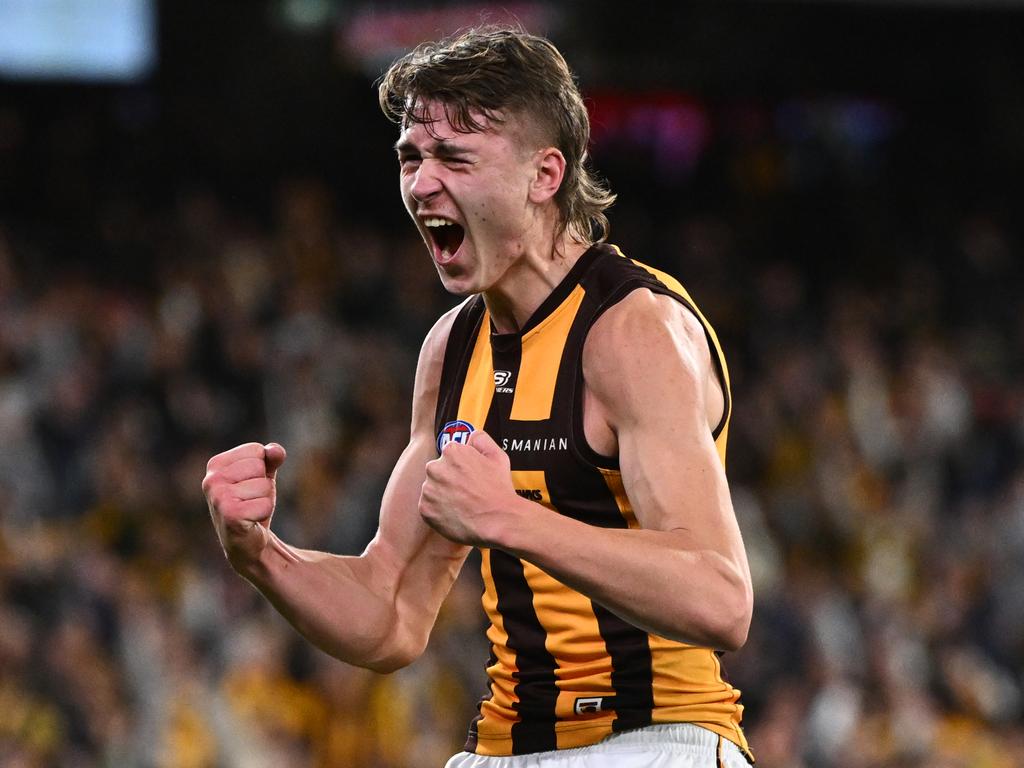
{"x":437,"y":222}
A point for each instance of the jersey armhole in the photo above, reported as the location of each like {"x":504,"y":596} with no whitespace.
{"x":577,"y":436}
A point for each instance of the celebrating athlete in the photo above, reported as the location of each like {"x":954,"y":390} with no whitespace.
{"x":569,"y":420}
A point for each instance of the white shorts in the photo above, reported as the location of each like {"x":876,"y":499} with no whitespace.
{"x":678,"y":745}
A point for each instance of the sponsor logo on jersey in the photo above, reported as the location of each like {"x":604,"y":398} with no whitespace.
{"x":533,"y":494}
{"x":589,"y":705}
{"x":535,"y":444}
{"x":454,"y":431}
{"x":501,"y":380}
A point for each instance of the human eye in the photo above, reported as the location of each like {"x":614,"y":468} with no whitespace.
{"x":408,"y":160}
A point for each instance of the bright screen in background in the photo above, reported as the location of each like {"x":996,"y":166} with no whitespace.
{"x":77,"y":39}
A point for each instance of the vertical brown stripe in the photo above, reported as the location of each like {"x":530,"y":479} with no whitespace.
{"x":584,"y":494}
{"x":636,"y":689}
{"x":573,"y":637}
{"x":632,"y":674}
{"x":535,"y":689}
{"x":627,"y":645}
{"x":501,"y":666}
{"x":506,"y":356}
{"x":474,"y":734}
{"x":535,"y":692}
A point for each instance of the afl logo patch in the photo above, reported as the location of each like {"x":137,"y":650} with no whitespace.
{"x":454,"y":431}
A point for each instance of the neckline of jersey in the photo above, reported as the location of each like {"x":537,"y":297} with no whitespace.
{"x":559,"y":294}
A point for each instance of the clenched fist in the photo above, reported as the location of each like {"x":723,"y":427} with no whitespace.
{"x":468,"y":490}
{"x":241,"y":491}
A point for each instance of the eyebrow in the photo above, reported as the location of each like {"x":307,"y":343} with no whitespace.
{"x":441,"y":149}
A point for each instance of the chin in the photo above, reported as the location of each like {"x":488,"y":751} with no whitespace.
{"x":458,"y":285}
{"x":459,"y":277}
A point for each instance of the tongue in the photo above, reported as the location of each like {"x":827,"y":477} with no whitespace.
{"x":449,"y":239}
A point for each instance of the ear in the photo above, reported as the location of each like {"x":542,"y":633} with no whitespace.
{"x":549,"y":168}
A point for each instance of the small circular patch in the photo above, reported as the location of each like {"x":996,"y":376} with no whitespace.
{"x":454,"y":431}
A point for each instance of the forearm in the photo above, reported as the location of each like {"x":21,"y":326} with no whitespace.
{"x":346,"y":606}
{"x":649,"y":578}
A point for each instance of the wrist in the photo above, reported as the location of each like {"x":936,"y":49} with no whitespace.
{"x":509,"y":523}
{"x":251,"y":558}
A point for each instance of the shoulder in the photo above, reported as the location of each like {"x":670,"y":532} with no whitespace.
{"x":436,"y":341}
{"x":640,"y":326}
{"x":641,"y":344}
{"x":430,"y":366}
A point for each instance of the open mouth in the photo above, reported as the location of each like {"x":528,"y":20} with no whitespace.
{"x":447,"y":237}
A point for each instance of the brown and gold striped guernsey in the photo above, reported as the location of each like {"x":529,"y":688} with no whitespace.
{"x":565,"y":672}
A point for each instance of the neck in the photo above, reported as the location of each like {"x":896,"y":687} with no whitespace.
{"x":513,"y":300}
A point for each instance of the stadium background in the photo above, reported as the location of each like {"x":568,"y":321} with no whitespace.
{"x":207,"y":247}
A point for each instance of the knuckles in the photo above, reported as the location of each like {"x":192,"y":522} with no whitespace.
{"x":211,"y":487}
{"x":243,"y":451}
{"x":218,"y":500}
{"x":211,"y":481}
{"x":437,"y":468}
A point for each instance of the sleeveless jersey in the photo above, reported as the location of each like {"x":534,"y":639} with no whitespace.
{"x":564,"y":671}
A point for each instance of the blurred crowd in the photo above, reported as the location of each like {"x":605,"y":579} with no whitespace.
{"x":875,"y":461}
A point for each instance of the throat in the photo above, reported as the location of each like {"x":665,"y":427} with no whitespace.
{"x":525,"y":285}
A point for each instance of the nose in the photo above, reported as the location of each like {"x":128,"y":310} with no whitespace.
{"x":425,"y":182}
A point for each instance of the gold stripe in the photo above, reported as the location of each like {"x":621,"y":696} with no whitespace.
{"x":613,"y":479}
{"x":477,"y":392}
{"x":497,"y":712}
{"x":688,"y":685}
{"x":568,"y":733}
{"x":474,"y":403}
{"x":574,"y":640}
{"x":532,"y":480}
{"x":572,"y":637}
{"x":541,"y":357}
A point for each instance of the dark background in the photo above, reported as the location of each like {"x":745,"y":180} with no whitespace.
{"x":240,"y":101}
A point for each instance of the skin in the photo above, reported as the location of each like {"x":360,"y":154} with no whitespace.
{"x":500,"y":187}
{"x":376,"y":610}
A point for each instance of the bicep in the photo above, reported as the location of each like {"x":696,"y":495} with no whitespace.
{"x":648,"y":363}
{"x":675,"y":481}
{"x":404,"y":542}
{"x":416,"y":562}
